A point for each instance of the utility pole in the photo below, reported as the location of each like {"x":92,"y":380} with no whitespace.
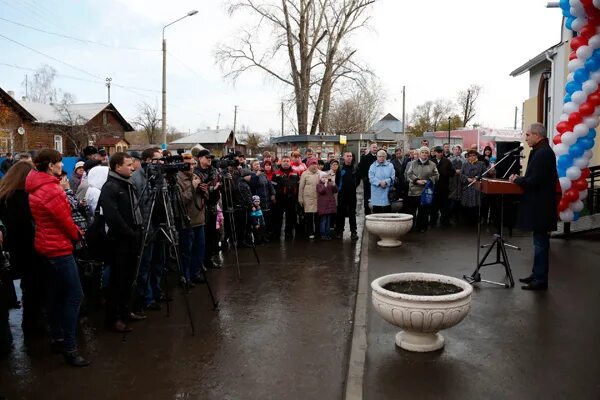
{"x":516,"y":110}
{"x":108,"y":80}
{"x":403,"y":110}
{"x":234,"y":125}
{"x":218,"y":121}
{"x":282,"y":118}
{"x":26,"y":87}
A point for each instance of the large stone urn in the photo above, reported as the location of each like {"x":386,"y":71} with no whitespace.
{"x":421,"y":317}
{"x":389,"y":227}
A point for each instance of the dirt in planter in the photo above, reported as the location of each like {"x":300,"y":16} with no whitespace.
{"x":423,"y":288}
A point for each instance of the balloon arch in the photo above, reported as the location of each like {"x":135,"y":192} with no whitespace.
{"x":576,"y":130}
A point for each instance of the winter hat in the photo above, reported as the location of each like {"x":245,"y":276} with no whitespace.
{"x":78,"y":164}
{"x":334,"y":161}
{"x":255,"y":199}
{"x":245,"y":172}
{"x":311,"y":161}
{"x":425,"y":148}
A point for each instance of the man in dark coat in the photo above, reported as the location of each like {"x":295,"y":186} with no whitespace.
{"x":363,"y":169}
{"x":442,"y":188}
{"x":118,"y":203}
{"x":286,"y":182}
{"x":538,"y":208}
{"x":347,"y":183}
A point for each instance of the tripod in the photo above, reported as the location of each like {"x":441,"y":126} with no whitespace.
{"x":166,"y":196}
{"x":498,"y":243}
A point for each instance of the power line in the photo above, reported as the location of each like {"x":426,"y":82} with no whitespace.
{"x":75,"y":38}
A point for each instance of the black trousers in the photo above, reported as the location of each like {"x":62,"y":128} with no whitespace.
{"x":346,"y":209}
{"x":420,"y":213}
{"x":312,"y":224}
{"x":289,"y":209}
{"x":120,"y":284}
{"x":382,"y":209}
{"x":440,"y":207}
{"x":211,"y":235}
{"x":367,"y":195}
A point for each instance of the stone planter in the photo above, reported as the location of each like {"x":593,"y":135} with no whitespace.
{"x":389,"y":227}
{"x":421,"y":317}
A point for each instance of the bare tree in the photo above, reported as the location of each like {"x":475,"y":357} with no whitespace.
{"x":467,"y":102}
{"x":148,"y":121}
{"x":40,"y":88}
{"x":71,"y":125}
{"x":442,"y":108}
{"x":357,"y":111}
{"x":305,"y":38}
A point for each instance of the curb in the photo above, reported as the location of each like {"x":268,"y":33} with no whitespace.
{"x":358,"y":350}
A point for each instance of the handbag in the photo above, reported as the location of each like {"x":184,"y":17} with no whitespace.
{"x":427,"y":195}
{"x":97,"y":241}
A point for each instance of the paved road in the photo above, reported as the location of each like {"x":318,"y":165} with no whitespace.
{"x":513,"y":345}
{"x":281,"y":333}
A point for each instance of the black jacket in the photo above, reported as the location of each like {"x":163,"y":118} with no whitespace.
{"x":210,"y":176}
{"x":365,"y":163}
{"x":348,"y":182}
{"x":286,"y":183}
{"x":118,"y":200}
{"x":538,"y":208}
{"x":446,"y":171}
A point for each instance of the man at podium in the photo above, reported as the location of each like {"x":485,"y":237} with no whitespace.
{"x":538,"y":208}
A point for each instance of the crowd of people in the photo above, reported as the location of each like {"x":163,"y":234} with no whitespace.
{"x":115,"y":214}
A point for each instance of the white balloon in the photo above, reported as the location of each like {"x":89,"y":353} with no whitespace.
{"x":581,"y":162}
{"x":564,"y":117}
{"x":579,"y":23}
{"x":577,"y":11}
{"x":584,"y":52}
{"x":591,"y":122}
{"x":577,"y":206}
{"x":570,"y":107}
{"x":578,"y":97}
{"x":594,"y":42}
{"x":561,"y":148}
{"x":589,"y":86}
{"x":570,"y":77}
{"x":575,"y":64}
{"x":575,"y":3}
{"x":596,"y":3}
{"x":568,"y":138}
{"x":565,"y":183}
{"x":573,"y":173}
{"x":567,"y":215}
{"x":583,"y":194}
{"x":588,"y":154}
{"x":581,"y":130}
{"x":595,"y":76}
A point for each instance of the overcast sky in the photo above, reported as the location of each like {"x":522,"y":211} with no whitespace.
{"x":435,"y":48}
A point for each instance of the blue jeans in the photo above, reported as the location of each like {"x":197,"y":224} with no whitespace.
{"x":541,"y":246}
{"x":191,"y":249}
{"x":325,"y":224}
{"x":64,"y":299}
{"x":151,"y":269}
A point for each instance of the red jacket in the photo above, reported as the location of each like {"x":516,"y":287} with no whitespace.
{"x":55,"y":230}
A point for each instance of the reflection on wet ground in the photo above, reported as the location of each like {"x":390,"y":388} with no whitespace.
{"x":282,"y":331}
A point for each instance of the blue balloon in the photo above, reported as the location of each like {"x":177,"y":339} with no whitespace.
{"x":564,"y":4}
{"x":576,"y":215}
{"x":576,"y":150}
{"x":567,"y":98}
{"x":565,"y":161}
{"x":591,"y":134}
{"x":592,"y":64}
{"x":596,"y":53}
{"x":581,"y":75}
{"x":572,"y":87}
{"x":561,"y":172}
{"x":586,"y":143}
{"x":569,"y":22}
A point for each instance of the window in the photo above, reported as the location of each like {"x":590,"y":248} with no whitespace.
{"x":58,"y":143}
{"x":104,"y":118}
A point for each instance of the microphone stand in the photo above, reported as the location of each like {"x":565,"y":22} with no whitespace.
{"x":501,"y":255}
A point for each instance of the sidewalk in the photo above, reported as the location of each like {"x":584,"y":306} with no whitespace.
{"x":514,"y":344}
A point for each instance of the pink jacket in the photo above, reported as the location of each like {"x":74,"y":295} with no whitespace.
{"x":326,"y":203}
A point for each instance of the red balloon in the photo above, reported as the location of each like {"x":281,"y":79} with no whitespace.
{"x":563,"y":205}
{"x":594,"y":18}
{"x":572,"y":56}
{"x":594,"y":99}
{"x":587,"y":108}
{"x":564,"y":126}
{"x":585,"y":173}
{"x":557,"y":139}
{"x":577,"y":42}
{"x":575,"y":118}
{"x":588,"y":31}
{"x":571,"y":195}
{"x":587,"y":3}
{"x":580,"y":184}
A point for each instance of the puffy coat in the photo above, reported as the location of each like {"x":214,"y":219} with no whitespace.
{"x":307,"y":192}
{"x":96,"y":179}
{"x":417,"y":171}
{"x":55,"y":230}
{"x":326,"y":203}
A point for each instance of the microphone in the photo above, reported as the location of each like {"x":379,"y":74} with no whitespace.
{"x":513,"y":151}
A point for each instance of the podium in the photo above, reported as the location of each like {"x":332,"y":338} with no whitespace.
{"x":501,"y":187}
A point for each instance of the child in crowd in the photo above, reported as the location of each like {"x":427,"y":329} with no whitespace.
{"x":257,"y":221}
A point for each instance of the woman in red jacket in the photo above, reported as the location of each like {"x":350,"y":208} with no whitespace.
{"x":55,"y":233}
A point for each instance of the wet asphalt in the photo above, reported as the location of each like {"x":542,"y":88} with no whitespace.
{"x":514,"y":344}
{"x":281,"y":332}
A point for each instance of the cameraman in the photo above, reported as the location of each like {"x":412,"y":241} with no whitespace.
{"x":153,"y":258}
{"x":191,"y":222}
{"x":211,"y":184}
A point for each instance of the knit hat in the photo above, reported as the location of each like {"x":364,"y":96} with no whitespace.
{"x":311,"y":161}
{"x":78,"y":164}
{"x":425,"y":148}
{"x":255,"y":199}
{"x":245,"y":172}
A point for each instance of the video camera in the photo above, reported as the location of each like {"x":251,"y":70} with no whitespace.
{"x":226,"y":161}
{"x":170,"y":165}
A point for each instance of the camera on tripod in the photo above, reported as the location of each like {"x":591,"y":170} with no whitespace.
{"x":168,"y":168}
{"x":225,"y":162}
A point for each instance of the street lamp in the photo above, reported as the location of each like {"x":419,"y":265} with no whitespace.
{"x":164,"y":77}
{"x":449,"y":119}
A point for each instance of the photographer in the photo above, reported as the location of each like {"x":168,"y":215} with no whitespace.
{"x":190,"y":222}
{"x":153,"y":258}
{"x":55,"y":233}
{"x":210,"y":180}
{"x":117,"y":203}
{"x":243,"y":205}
